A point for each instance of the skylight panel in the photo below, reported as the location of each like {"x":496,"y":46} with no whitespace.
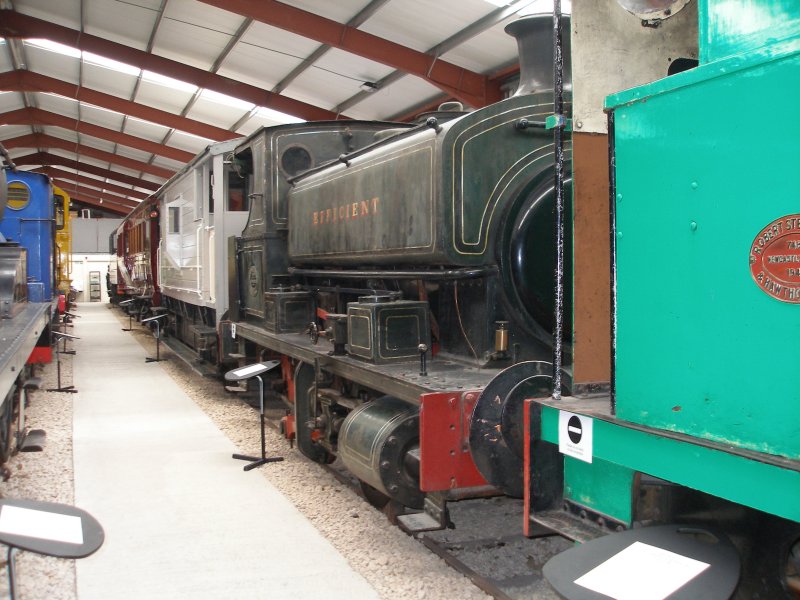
{"x":169,"y":82}
{"x":113,"y":65}
{"x":274,"y":115}
{"x":226,"y":100}
{"x":54,"y":47}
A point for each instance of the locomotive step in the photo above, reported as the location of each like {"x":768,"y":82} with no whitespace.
{"x":418,"y":522}
{"x":34,"y":441}
{"x":32,"y":383}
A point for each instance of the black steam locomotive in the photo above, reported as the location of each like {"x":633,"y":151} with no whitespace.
{"x":407,"y":285}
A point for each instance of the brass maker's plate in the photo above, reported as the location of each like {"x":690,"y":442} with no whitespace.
{"x":775,"y":259}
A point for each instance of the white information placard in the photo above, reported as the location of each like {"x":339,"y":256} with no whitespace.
{"x":41,"y":524}
{"x":642,"y":572}
{"x":575,"y":435}
{"x":245,"y":371}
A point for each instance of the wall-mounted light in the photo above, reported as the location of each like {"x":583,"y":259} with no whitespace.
{"x":369,"y":87}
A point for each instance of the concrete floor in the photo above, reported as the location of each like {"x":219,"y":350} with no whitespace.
{"x":182,"y":520}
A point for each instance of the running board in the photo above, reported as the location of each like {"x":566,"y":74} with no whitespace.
{"x":418,"y":522}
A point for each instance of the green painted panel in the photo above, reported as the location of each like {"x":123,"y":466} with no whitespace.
{"x":601,"y":486}
{"x":729,"y":27}
{"x":702,"y":168}
{"x":712,"y":471}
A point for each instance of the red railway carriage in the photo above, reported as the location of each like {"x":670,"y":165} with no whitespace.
{"x":136,"y":256}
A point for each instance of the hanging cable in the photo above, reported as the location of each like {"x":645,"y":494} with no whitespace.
{"x":460,"y":323}
{"x":558,"y":142}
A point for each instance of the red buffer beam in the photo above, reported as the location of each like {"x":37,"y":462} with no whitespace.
{"x":28,"y":81}
{"x":47,"y":159}
{"x":37,"y":140}
{"x":473,"y":88}
{"x":37,"y":116}
{"x":18,"y":25}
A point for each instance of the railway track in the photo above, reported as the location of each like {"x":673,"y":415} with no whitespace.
{"x":486,"y":545}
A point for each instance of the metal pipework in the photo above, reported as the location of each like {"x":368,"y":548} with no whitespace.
{"x":444,"y":274}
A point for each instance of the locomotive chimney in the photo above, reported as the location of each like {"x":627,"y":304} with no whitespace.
{"x":535,"y":41}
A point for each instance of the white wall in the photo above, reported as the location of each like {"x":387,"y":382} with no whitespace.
{"x":82,"y":265}
{"x":91,"y":235}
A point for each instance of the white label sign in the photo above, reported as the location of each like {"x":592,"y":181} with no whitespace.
{"x":41,"y":524}
{"x":575,"y":435}
{"x":642,"y":572}
{"x":233,"y":330}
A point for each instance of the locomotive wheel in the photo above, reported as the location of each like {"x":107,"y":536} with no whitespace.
{"x":496,"y":436}
{"x":373,"y":495}
{"x":792,"y":575}
{"x":771,"y":571}
{"x":391,"y":508}
{"x":303,"y":411}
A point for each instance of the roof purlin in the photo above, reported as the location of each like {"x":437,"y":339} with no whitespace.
{"x":28,"y":81}
{"x":38,"y":116}
{"x":46,"y":158}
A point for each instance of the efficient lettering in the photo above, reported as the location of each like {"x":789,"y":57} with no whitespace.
{"x":346,"y":212}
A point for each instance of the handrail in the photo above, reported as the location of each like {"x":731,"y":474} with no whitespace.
{"x":443,"y":274}
{"x":430,"y":123}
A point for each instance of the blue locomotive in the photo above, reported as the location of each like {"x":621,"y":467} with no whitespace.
{"x":27,"y":234}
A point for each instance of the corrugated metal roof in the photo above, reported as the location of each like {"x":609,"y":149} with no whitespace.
{"x":226,"y":46}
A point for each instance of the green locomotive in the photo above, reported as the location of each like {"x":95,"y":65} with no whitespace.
{"x":701,"y":425}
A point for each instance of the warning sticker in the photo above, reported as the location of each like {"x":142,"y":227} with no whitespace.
{"x":575,"y":435}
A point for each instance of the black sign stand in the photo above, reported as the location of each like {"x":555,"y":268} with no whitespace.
{"x":157,"y":323}
{"x":68,"y":317}
{"x":14,"y":535}
{"x":130,"y":314}
{"x":242,"y":374}
{"x":58,"y":335}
